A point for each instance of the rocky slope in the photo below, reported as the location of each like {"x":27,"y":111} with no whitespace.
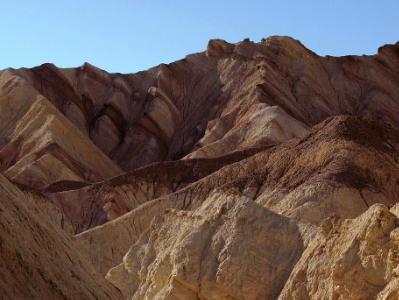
{"x":248,"y":171}
{"x":38,"y":259}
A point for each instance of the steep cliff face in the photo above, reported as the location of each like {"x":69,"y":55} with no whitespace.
{"x":248,"y":171}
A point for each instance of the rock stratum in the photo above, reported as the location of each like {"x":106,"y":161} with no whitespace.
{"x":247,"y":171}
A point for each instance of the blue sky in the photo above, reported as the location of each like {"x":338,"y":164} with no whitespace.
{"x":127,"y":36}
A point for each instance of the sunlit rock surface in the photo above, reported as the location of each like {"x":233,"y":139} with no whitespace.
{"x":247,"y":171}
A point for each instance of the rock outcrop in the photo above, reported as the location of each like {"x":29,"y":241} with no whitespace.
{"x":261,"y":126}
{"x":209,"y":103}
{"x":200,"y":254}
{"x":307,"y":179}
{"x":349,"y":259}
{"x":43,"y":148}
{"x":248,"y":171}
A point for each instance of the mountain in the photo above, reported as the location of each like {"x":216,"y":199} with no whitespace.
{"x":247,"y":171}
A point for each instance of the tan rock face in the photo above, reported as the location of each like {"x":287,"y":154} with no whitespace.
{"x":201,"y":253}
{"x":346,"y":259}
{"x":262,"y":126}
{"x":248,"y":171}
{"x":352,"y":259}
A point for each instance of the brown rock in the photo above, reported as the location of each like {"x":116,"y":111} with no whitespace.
{"x":290,"y":165}
{"x":190,"y":93}
{"x":38,"y":260}
{"x":44,"y":147}
{"x":218,"y":47}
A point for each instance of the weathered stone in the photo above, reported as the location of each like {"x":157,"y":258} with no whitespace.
{"x":200,"y":254}
{"x":290,"y":165}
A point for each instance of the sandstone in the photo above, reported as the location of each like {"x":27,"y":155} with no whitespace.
{"x":247,"y":171}
{"x":168,"y":261}
{"x":279,"y":71}
{"x":356,"y":260}
{"x":292,"y":179}
{"x":262,"y":125}
{"x":43,"y":140}
{"x":38,"y":260}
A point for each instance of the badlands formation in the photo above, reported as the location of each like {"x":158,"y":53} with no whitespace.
{"x":247,"y":171}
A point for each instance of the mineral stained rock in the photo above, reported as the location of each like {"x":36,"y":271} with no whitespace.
{"x":247,"y":171}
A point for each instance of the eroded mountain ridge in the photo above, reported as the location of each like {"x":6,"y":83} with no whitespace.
{"x":248,"y":171}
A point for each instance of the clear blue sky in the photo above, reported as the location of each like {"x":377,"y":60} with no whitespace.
{"x":126,"y":36}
